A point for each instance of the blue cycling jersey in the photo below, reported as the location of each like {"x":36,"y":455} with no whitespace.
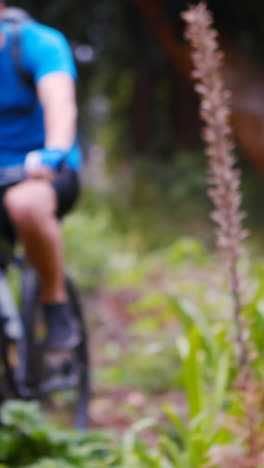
{"x":44,"y":50}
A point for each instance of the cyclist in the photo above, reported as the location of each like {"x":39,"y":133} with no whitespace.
{"x":42,"y":118}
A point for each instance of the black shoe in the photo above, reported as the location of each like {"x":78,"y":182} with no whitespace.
{"x":63,"y":329}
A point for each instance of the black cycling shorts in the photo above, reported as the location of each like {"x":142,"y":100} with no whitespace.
{"x":67,"y":189}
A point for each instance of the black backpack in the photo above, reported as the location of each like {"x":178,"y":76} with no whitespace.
{"x":15,"y":17}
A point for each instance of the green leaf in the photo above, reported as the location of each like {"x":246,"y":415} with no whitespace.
{"x":221,"y":381}
{"x":192,"y":377}
{"x":177,"y":422}
{"x":170,"y":448}
{"x":190,"y":315}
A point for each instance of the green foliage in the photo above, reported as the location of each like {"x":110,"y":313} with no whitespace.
{"x":194,"y":354}
{"x":180,"y":333}
{"x":90,"y":245}
{"x":178,"y":342}
{"x":203,"y":405}
{"x":29,"y":440}
{"x":109,"y":230}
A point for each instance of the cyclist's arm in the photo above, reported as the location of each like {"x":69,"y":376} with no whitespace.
{"x":48,"y":57}
{"x":56,"y":92}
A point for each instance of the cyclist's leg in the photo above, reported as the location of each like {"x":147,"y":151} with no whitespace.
{"x":34,"y":207}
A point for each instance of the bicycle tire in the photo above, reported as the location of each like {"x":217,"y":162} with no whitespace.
{"x":8,"y":384}
{"x":8,"y":344}
{"x":33,"y":367}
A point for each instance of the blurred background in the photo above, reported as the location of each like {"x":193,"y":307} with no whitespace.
{"x":139,"y":124}
{"x":140,"y":241}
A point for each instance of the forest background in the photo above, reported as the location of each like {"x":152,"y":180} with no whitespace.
{"x":138,"y":110}
{"x":141,"y":243}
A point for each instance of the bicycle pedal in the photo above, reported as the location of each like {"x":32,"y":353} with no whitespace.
{"x":62,"y":362}
{"x":55,"y":358}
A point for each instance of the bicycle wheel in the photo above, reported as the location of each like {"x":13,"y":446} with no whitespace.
{"x":10,"y":332}
{"x":8,"y":387}
{"x":59,"y":379}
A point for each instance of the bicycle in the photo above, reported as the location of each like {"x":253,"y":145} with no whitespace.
{"x":59,"y":380}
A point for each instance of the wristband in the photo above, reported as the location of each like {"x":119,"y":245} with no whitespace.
{"x":44,"y":157}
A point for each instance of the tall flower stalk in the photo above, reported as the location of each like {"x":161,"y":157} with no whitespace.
{"x":223,"y":177}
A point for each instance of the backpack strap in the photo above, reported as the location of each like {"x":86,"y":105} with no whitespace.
{"x":15,"y":17}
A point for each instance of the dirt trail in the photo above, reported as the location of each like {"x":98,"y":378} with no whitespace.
{"x":118,"y":408}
